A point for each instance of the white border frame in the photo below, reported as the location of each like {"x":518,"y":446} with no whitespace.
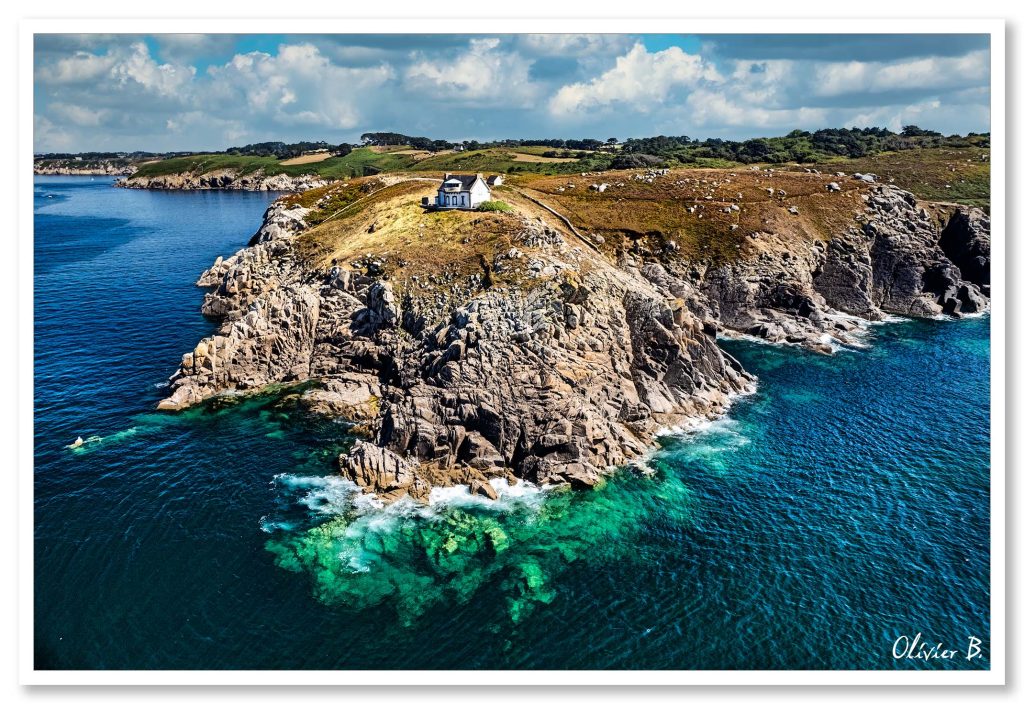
{"x":997,"y":644}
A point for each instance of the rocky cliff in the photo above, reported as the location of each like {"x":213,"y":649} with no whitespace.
{"x":466,"y":346}
{"x":228,"y":179}
{"x":816,"y":293}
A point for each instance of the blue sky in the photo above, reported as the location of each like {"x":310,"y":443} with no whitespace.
{"x":191,"y":92}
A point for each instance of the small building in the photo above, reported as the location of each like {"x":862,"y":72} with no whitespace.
{"x":495,"y":180}
{"x":463,"y":192}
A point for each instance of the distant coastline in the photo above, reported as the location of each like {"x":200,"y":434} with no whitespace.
{"x":72,"y":168}
{"x":224,"y":179}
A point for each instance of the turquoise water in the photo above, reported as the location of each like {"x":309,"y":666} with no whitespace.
{"x":843,"y":505}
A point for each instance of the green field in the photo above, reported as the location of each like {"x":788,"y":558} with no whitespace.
{"x":366,"y":161}
{"x":959,"y":175}
{"x":941,"y":174}
{"x":359,"y":162}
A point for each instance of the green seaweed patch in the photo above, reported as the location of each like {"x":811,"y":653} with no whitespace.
{"x":413,"y":559}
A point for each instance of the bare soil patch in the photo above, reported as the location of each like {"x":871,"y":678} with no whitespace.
{"x":306,"y":159}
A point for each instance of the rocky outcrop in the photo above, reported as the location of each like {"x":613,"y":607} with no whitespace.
{"x":965,"y":240}
{"x":560,"y":380}
{"x":820,"y":293}
{"x":225,"y":179}
{"x":571,"y":373}
{"x":69,"y":167}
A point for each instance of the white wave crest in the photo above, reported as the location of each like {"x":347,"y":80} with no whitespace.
{"x":522,"y":493}
{"x":700,"y":424}
{"x":93,"y":442}
{"x":330,"y":496}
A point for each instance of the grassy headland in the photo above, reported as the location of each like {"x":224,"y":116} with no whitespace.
{"x":933,"y":166}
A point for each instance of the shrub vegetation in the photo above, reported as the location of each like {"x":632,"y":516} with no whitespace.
{"x":494,"y":206}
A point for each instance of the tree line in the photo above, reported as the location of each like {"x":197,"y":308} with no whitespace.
{"x":798,"y":145}
{"x":282,"y":150}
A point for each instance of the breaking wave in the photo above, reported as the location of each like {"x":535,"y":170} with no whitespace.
{"x":413,"y":556}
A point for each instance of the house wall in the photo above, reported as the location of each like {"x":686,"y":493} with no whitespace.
{"x":477,"y":194}
{"x":452,"y":200}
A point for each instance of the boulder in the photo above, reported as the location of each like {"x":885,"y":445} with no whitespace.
{"x":376,"y":468}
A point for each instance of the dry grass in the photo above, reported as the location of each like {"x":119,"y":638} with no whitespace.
{"x":634,"y":211}
{"x":417,"y":154}
{"x":307,"y":159}
{"x":414,"y":243}
{"x":630,"y":214}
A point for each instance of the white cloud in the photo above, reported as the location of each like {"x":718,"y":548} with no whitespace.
{"x":230,"y":130}
{"x":186,"y":48}
{"x":120,"y":68}
{"x":80,"y":66}
{"x":79,"y":114}
{"x":298,"y":86}
{"x":772,"y":83}
{"x":481,"y":75}
{"x":895,"y":117}
{"x":710,"y":108}
{"x":47,"y":137}
{"x":926,"y":73}
{"x":575,"y":44}
{"x":109,"y":91}
{"x":639,"y":81}
{"x":139,"y":67}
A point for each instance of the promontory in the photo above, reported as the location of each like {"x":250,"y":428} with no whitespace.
{"x":552,"y":336}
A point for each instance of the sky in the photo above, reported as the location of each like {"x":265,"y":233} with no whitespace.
{"x":177,"y":92}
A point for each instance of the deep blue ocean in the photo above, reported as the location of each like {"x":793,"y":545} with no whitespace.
{"x":842,"y":506}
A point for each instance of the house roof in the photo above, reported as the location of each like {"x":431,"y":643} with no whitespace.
{"x":460,"y":182}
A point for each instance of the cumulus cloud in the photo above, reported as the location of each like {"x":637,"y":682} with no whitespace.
{"x":924,"y":73}
{"x":80,"y":115}
{"x":952,"y":116}
{"x":298,"y":86}
{"x":80,"y":66}
{"x":120,"y":68}
{"x":708,"y":108}
{"x":139,"y":67}
{"x":575,"y":44}
{"x":188,"y":48}
{"x":51,"y":137}
{"x":482,"y":74}
{"x":134,"y":92}
{"x":640,"y":81}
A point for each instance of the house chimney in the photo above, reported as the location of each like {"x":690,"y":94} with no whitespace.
{"x":447,"y":176}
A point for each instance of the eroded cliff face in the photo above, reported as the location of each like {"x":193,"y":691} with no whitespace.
{"x":570,"y":371}
{"x":897,"y":258}
{"x":226,"y":179}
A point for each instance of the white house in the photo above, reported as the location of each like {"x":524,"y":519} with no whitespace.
{"x":462,"y":192}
